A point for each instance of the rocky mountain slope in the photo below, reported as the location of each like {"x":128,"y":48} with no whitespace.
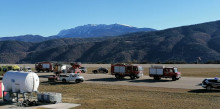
{"x":92,"y":30}
{"x":184,"y":43}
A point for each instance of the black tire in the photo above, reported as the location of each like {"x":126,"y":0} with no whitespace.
{"x":132,"y":76}
{"x":156,"y":78}
{"x":174,"y":78}
{"x":64,"y":80}
{"x":77,"y":81}
{"x":117,"y":76}
{"x":95,"y":71}
{"x":208,"y":87}
{"x":38,"y":70}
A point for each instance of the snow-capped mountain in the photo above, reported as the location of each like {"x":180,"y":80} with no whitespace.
{"x":93,"y":30}
{"x":85,"y":31}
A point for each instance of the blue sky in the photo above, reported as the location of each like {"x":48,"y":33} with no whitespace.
{"x":48,"y":17}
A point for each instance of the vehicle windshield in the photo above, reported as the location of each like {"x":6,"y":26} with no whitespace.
{"x":29,"y":68}
{"x":140,"y":68}
{"x":175,"y":70}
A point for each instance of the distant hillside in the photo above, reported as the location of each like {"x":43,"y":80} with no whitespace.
{"x":86,"y":31}
{"x":25,"y":38}
{"x":176,"y":44}
{"x":92,"y":30}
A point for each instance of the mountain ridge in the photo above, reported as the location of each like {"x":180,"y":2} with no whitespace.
{"x":85,"y":31}
{"x":184,"y":44}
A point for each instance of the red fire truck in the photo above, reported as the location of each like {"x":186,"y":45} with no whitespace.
{"x":44,"y":66}
{"x":62,"y":67}
{"x":159,"y":72}
{"x":122,"y":70}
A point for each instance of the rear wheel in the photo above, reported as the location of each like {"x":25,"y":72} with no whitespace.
{"x":208,"y":87}
{"x":77,"y":81}
{"x":132,"y":77}
{"x":117,"y":76}
{"x":64,"y":80}
{"x":156,"y":78}
{"x":95,"y":71}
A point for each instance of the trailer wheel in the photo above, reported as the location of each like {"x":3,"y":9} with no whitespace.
{"x":38,"y":70}
{"x":174,"y":78}
{"x":117,"y":76}
{"x":64,"y":80}
{"x":132,"y":77}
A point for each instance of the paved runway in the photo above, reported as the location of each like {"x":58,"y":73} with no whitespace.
{"x":184,"y":82}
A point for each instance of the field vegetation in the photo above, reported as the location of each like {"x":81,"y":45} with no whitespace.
{"x":99,"y":96}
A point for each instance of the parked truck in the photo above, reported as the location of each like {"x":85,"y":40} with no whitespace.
{"x":122,"y":70}
{"x":158,"y":72}
{"x":44,"y":66}
{"x":4,"y":69}
{"x":60,"y":68}
{"x":64,"y":77}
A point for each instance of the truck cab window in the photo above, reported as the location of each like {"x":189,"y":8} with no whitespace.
{"x":140,"y":68}
{"x":175,"y":69}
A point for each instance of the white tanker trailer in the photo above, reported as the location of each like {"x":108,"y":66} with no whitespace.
{"x":21,"y":82}
{"x":16,"y":83}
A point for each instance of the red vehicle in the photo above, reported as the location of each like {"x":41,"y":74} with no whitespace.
{"x":44,"y":66}
{"x":67,"y":68}
{"x":122,"y":70}
{"x":159,"y":72}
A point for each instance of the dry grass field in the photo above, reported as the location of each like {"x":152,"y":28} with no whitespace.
{"x":200,"y":72}
{"x":99,"y":96}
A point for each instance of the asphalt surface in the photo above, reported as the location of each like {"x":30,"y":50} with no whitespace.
{"x":183,"y":83}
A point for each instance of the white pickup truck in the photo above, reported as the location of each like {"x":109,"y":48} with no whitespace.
{"x":70,"y":77}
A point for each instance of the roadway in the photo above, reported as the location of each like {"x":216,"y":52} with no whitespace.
{"x":183,"y":83}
